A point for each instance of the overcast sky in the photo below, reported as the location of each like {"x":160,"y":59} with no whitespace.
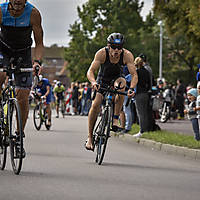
{"x":57,"y":15}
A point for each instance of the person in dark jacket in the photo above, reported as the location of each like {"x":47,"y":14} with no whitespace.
{"x":142,"y":96}
{"x":152,"y":122}
{"x":179,"y":98}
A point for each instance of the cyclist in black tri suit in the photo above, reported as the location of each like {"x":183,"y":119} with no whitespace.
{"x":111,"y":60}
{"x":18,"y":19}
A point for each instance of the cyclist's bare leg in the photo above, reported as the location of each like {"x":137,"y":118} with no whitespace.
{"x":22,"y":98}
{"x":119,"y":99}
{"x":122,"y":119}
{"x":92,"y":117}
{"x":57,"y":108}
{"x":48,"y":109}
{"x":2,"y":79}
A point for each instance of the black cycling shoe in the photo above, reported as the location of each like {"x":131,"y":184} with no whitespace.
{"x":18,"y":134}
{"x":114,"y":128}
{"x":18,"y":153}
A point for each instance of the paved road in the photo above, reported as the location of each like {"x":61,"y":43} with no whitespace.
{"x":57,"y":167}
{"x":178,"y":126}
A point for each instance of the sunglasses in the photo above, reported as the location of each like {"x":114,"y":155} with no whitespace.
{"x":119,"y":47}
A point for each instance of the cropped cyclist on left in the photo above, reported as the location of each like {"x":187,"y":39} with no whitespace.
{"x":18,"y":19}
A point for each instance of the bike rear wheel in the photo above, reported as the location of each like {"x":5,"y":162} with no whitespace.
{"x":63,"y":109}
{"x":16,"y":136}
{"x":45,"y":116}
{"x":3,"y":146}
{"x":102,"y":133}
{"x":37,"y":118}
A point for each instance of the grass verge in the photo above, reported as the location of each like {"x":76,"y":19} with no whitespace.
{"x":167,"y":137}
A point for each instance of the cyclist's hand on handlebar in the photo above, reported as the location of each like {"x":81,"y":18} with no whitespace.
{"x":131,"y":93}
{"x":43,"y":97}
{"x":95,"y":86}
{"x":36,"y":69}
{"x":32,"y":92}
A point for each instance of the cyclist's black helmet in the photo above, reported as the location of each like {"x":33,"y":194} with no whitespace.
{"x":144,"y":58}
{"x":59,"y":83}
{"x":115,"y":38}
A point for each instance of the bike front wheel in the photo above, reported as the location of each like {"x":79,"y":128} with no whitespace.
{"x":37,"y":118}
{"x":102,"y":135}
{"x":16,"y":136}
{"x":63,"y":109}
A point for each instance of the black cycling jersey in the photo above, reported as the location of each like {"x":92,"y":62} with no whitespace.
{"x":110,"y":71}
{"x":16,"y":31}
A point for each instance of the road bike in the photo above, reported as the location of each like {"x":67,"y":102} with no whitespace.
{"x":11,"y":133}
{"x":102,"y":130}
{"x":39,"y":113}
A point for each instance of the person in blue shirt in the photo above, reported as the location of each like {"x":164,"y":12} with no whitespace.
{"x":198,"y":73}
{"x":44,"y":90}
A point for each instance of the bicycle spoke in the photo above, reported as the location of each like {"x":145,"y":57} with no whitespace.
{"x":102,"y":135}
{"x":16,"y":137}
{"x":37,"y":117}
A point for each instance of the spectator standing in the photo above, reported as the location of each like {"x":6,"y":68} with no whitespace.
{"x":127,"y":107}
{"x":179,"y":98}
{"x":152,"y":123}
{"x":142,"y":96}
{"x":84,"y":99}
{"x":75,"y":99}
{"x":81,"y":98}
{"x":191,"y":111}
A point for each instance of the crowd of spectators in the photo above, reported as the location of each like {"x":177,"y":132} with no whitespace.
{"x":139,"y":109}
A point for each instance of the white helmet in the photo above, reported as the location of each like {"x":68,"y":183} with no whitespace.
{"x":40,"y":78}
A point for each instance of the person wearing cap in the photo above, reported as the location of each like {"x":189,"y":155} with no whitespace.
{"x":191,"y":111}
{"x":109,"y":61}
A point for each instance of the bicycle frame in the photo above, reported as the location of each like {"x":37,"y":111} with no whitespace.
{"x":13,"y":134}
{"x":102,"y":131}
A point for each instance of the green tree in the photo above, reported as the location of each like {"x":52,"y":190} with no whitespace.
{"x":182,"y":22}
{"x":97,"y":19}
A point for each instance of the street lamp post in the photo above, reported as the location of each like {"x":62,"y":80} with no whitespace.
{"x":161,"y":44}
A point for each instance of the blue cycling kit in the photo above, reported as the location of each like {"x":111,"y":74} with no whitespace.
{"x":43,"y":89}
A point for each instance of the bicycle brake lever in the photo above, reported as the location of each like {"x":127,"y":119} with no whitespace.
{"x":118,"y":87}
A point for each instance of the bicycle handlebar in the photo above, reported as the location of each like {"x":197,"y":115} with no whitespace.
{"x":17,"y":70}
{"x":114,"y":91}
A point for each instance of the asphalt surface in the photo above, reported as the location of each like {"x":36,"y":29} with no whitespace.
{"x":177,"y":126}
{"x":57,"y":167}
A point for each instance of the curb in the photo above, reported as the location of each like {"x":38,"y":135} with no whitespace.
{"x":171,"y":149}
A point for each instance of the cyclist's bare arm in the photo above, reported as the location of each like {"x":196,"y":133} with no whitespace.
{"x":48,"y":91}
{"x":38,"y":33}
{"x":129,"y":61}
{"x":55,"y":95}
{"x":98,"y":60}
